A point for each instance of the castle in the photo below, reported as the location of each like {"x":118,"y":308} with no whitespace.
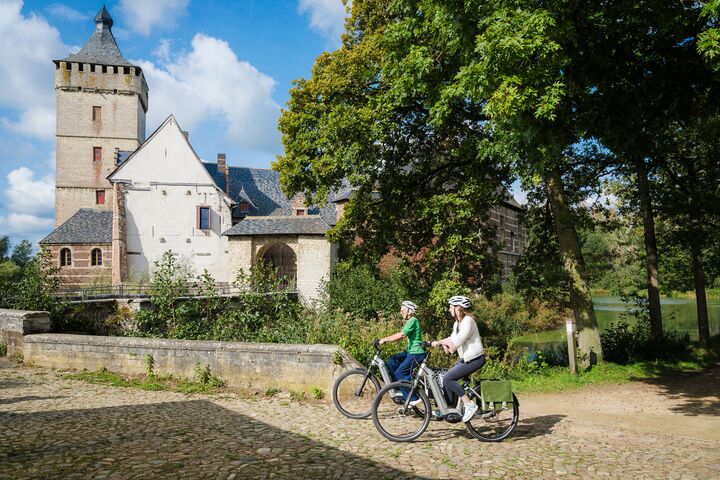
{"x":122,"y":199}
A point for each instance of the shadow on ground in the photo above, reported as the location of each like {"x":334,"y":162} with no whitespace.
{"x":190,"y":439}
{"x":698,"y":393}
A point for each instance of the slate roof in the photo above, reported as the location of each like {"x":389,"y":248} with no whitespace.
{"x":101,"y":48}
{"x":86,"y":226}
{"x":285,"y":225}
{"x":262,"y":187}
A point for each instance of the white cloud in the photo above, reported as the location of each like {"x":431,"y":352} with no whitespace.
{"x":211,"y":83}
{"x":61,"y":10}
{"x":143,"y":16}
{"x":326,"y":17}
{"x":23,"y":225}
{"x":162,"y":52}
{"x":28,"y":195}
{"x":27,"y":44}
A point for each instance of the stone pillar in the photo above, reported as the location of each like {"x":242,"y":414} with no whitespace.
{"x":14,"y":324}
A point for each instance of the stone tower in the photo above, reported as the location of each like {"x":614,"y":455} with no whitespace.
{"x":102,"y":100}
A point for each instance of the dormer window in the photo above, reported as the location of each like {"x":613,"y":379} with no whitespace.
{"x":300,"y":211}
{"x":244,"y":207}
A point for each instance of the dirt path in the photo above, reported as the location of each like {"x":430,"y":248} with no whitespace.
{"x":687,"y":405}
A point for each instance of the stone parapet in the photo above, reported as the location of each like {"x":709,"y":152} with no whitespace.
{"x":15,"y":324}
{"x":247,"y":365}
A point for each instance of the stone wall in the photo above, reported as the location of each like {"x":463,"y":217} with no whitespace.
{"x":510,"y":235}
{"x":15,"y":324}
{"x":246,"y":365}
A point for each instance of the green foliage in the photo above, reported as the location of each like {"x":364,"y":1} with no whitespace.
{"x":22,"y":253}
{"x":149,"y":365}
{"x":4,"y":248}
{"x":297,"y":395}
{"x":170,"y":281}
{"x":362,"y":291}
{"x":3,"y":349}
{"x":205,"y":377}
{"x":272,"y":391}
{"x":317,"y":393}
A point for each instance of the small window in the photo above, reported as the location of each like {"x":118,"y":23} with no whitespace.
{"x":96,"y":257}
{"x":65,"y":258}
{"x":100,"y":197}
{"x":244,"y":207}
{"x":97,"y":114}
{"x":512,"y":241}
{"x":299,"y":211}
{"x":204,"y":218}
{"x":97,"y":154}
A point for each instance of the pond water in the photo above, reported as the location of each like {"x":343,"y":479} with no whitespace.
{"x":678,"y":314}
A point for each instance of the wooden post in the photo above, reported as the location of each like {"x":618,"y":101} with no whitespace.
{"x":572,"y":352}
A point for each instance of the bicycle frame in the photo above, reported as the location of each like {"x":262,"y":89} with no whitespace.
{"x":384,"y":372}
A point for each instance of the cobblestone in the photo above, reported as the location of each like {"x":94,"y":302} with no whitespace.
{"x":58,"y":428}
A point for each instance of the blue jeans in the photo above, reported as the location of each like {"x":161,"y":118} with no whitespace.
{"x":401,"y":366}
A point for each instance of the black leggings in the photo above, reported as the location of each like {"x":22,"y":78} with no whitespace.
{"x":460,"y":370}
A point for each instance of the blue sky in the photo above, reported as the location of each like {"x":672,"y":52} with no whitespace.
{"x":223,"y":68}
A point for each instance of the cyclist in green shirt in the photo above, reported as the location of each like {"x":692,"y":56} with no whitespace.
{"x":401,"y":365}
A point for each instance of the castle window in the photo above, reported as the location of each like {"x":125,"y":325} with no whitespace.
{"x":299,"y":211}
{"x":244,"y":207}
{"x":97,"y":154}
{"x":100,"y":197}
{"x":97,"y":114}
{"x":104,"y":69}
{"x":126,"y":70}
{"x":203,"y":218}
{"x":92,"y":68}
{"x":96,"y":257}
{"x":65,"y":257}
{"x":512,"y":241}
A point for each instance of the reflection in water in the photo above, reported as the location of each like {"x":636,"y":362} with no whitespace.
{"x":679,"y":315}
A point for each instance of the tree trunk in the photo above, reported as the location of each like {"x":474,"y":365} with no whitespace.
{"x":700,"y":298}
{"x":588,"y":334}
{"x":651,"y":253}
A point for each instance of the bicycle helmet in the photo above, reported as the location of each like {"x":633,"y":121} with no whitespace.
{"x":459,"y":300}
{"x":409,"y":305}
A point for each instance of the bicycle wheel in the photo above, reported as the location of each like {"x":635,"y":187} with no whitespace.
{"x":395,"y":422}
{"x":349,"y":399}
{"x":492,"y":425}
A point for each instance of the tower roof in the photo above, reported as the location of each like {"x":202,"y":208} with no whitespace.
{"x":101,"y":48}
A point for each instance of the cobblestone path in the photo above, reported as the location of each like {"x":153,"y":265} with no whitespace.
{"x":51,"y":427}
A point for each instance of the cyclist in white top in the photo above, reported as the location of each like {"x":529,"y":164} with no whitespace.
{"x":465,"y":339}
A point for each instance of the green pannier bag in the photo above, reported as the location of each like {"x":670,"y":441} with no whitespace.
{"x":496,"y":394}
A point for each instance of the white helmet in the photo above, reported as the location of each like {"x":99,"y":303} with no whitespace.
{"x":460,"y":300}
{"x":409,"y":305}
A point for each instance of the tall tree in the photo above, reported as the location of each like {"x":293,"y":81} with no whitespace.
{"x":426,"y":103}
{"x":22,"y":253}
{"x":4,"y":248}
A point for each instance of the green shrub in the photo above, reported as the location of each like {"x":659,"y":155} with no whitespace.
{"x":297,"y":395}
{"x":3,"y":349}
{"x":272,"y":391}
{"x":317,"y":393}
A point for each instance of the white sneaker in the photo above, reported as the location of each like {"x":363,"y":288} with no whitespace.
{"x":470,"y":410}
{"x":415,"y":403}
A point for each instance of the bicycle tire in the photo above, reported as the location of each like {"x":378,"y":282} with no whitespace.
{"x":340,"y":399}
{"x":396,"y":414}
{"x":497,"y":434}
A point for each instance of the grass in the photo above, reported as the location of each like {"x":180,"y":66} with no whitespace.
{"x":150,"y":382}
{"x":556,"y":379}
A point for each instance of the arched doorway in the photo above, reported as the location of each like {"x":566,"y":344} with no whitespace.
{"x":282,"y":257}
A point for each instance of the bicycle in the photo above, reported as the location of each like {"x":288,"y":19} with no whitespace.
{"x":354,"y":390}
{"x":404,"y":423}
